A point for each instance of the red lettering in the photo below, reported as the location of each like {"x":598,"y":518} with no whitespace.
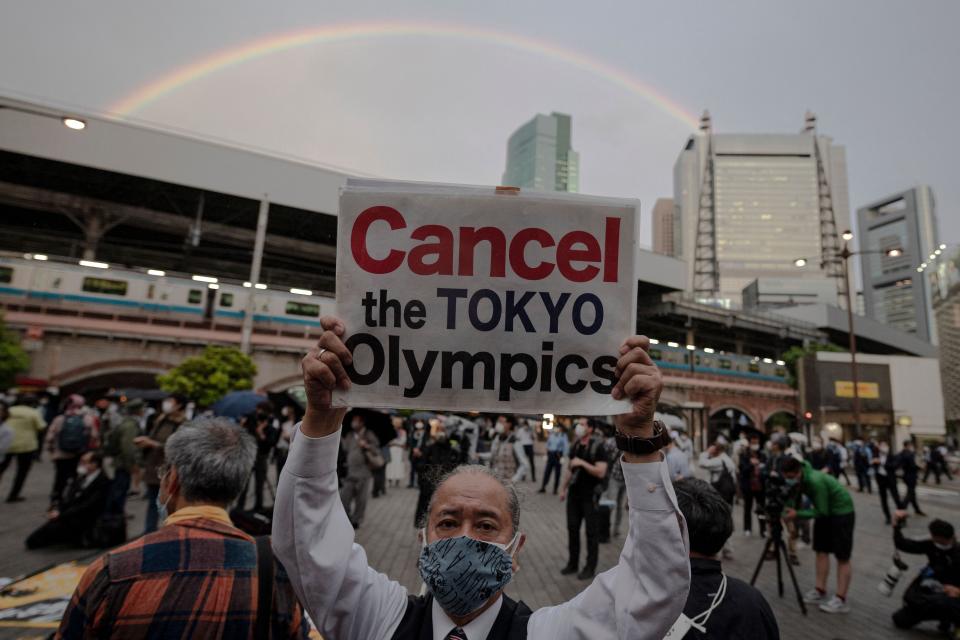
{"x":517,"y":259}
{"x":469,"y":237}
{"x":358,"y":240}
{"x":567,"y":254}
{"x":443,"y":250}
{"x":611,"y":250}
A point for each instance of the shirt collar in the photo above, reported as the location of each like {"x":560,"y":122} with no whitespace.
{"x":477,"y":629}
{"x":208,"y":512}
{"x":705,"y":565}
{"x":90,"y":477}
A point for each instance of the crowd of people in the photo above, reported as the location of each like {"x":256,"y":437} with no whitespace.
{"x":197,"y":473}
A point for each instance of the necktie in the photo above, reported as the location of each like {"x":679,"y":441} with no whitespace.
{"x":456,"y":634}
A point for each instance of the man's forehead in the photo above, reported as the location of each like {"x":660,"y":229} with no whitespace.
{"x":471,"y":491}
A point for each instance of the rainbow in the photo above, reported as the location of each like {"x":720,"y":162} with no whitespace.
{"x":149,"y":93}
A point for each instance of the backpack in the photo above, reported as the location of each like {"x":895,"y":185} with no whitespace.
{"x":725,"y":485}
{"x":73,"y":436}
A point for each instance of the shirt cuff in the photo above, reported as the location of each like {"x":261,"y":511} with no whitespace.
{"x":312,"y":457}
{"x":647,"y":486}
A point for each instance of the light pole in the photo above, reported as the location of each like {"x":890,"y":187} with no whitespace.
{"x":844,"y":258}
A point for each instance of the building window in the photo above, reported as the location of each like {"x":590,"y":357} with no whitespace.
{"x":103,"y":285}
{"x":295,"y":308}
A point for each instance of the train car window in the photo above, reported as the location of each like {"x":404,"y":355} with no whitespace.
{"x":302,"y":309}
{"x":6,"y":274}
{"x":754,"y":367}
{"x":195,"y":296}
{"x":103,"y":285}
{"x":226,"y":299}
{"x":726,"y":364}
{"x":655,"y":354}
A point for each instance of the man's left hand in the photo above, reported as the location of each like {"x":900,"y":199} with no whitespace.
{"x":951,"y":591}
{"x":575,"y":462}
{"x":789,"y":514}
{"x":639,"y":382}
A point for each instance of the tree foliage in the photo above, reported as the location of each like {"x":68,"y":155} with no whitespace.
{"x":211,"y":375}
{"x":793,"y":355}
{"x":13,"y":358}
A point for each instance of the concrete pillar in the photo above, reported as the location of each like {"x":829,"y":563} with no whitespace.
{"x":93,"y":230}
{"x":247,"y":330}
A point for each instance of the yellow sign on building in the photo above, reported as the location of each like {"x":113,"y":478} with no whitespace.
{"x":868,"y":390}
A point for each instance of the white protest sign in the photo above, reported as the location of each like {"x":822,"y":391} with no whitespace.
{"x":465,"y":298}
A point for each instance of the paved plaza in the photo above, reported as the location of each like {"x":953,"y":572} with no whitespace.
{"x":389,"y":537}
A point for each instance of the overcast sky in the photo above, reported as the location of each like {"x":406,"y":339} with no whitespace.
{"x":880,"y":75}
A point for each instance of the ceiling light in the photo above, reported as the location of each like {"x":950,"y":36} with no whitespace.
{"x":209,"y":279}
{"x":691,"y":347}
{"x":767,"y":361}
{"x":708,"y":350}
{"x":847,"y":235}
{"x":672,"y":344}
{"x":74,"y":123}
{"x":937,"y":252}
{"x":156,"y":272}
{"x":654,"y":341}
{"x":919,"y":269}
{"x":800,"y":262}
{"x":301,"y":292}
{"x":94,"y":264}
{"x":213,"y":286}
{"x":247,"y":285}
{"x":40,"y":256}
{"x":260,"y":286}
{"x":781,"y":363}
{"x":943,"y":247}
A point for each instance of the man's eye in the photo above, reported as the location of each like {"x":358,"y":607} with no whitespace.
{"x":487,"y":526}
{"x":446,"y":524}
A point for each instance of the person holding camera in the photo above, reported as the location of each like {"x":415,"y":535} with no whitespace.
{"x":935,"y":593}
{"x":585,"y":472}
{"x":833,"y":521}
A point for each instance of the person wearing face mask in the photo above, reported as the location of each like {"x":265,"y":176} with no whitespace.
{"x":585,"y":472}
{"x":503,"y":457}
{"x":151,"y":448}
{"x":475,"y":516}
{"x":362,"y":449}
{"x":935,"y":593}
{"x":753,"y":466}
{"x":440,"y":457}
{"x":833,"y":522}
{"x":73,"y":520}
{"x":418,"y":442}
{"x":198,"y":576}
{"x":70,"y":435}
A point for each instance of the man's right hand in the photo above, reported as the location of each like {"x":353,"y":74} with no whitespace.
{"x":323,"y":371}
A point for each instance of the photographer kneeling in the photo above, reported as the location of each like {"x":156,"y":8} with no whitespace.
{"x":833,"y":520}
{"x":935,"y":593}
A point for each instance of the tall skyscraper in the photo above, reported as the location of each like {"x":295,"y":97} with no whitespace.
{"x":748,"y":205}
{"x":944,"y":281}
{"x":896,"y":291}
{"x":539,"y":156}
{"x":663,"y":222}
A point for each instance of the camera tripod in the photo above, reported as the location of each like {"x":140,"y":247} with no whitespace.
{"x":776,"y":544}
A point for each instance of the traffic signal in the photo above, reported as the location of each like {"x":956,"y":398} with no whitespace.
{"x":808,"y":415}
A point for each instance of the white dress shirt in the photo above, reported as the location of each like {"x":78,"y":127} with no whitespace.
{"x":640,"y":597}
{"x":476,"y":629}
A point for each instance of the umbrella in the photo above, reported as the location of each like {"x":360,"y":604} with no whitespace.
{"x":376,"y":421}
{"x":237,"y":404}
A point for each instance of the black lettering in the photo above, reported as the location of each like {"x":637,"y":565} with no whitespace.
{"x":546,"y":367}
{"x":605,"y":368}
{"x":515,"y":309}
{"x":468,"y":363}
{"x":414,"y":314}
{"x":368,"y":304}
{"x":420,"y":374}
{"x":562,"y":365}
{"x":554,"y":308}
{"x":376,"y":349}
{"x":389,"y":304}
{"x":507,"y":382}
{"x":451,"y":295}
{"x":495,"y":310}
{"x":578,"y":314}
{"x":393,"y":361}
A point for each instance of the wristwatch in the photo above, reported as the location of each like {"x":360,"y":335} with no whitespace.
{"x":644,"y":446}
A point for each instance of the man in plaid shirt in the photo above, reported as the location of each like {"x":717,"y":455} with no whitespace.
{"x":196,"y":577}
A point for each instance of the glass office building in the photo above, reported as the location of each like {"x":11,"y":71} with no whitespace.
{"x":540,"y":156}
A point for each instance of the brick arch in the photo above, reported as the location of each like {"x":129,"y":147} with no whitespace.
{"x":723,"y":406}
{"x":769,"y":414}
{"x":78,"y":374}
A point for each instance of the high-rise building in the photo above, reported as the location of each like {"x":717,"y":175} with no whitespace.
{"x":539,"y":156}
{"x":944,"y":281}
{"x":896,"y":291}
{"x":749,"y":205}
{"x":663,"y":223}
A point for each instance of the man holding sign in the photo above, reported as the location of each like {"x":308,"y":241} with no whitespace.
{"x":476,"y":355}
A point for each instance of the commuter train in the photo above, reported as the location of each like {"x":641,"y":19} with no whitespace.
{"x":125,"y":291}
{"x":675,"y":356}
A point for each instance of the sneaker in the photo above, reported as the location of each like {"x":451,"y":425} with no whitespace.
{"x":813,"y":597}
{"x":835,"y":605}
{"x":586,"y":573}
{"x":567,"y":570}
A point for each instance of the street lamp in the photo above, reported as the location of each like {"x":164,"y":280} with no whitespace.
{"x":843,"y":257}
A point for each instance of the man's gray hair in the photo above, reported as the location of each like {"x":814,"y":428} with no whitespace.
{"x":213,"y":458}
{"x":513,"y":498}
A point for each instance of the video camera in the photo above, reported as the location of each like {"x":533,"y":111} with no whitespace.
{"x":776,"y":494}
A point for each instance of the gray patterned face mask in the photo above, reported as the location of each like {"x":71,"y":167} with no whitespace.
{"x":462,"y":573}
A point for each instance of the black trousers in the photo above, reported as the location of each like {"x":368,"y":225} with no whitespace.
{"x":528,"y":450}
{"x":939,"y":608}
{"x":911,"y":497}
{"x":582,"y":508}
{"x":887,"y":484}
{"x":863,"y":480}
{"x":553,"y":466}
{"x":380,"y":481}
{"x":65,"y":471}
{"x":751,"y":498}
{"x":58,"y":531}
{"x":24,"y":462}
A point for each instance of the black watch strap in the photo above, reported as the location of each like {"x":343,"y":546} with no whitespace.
{"x":644,"y":446}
